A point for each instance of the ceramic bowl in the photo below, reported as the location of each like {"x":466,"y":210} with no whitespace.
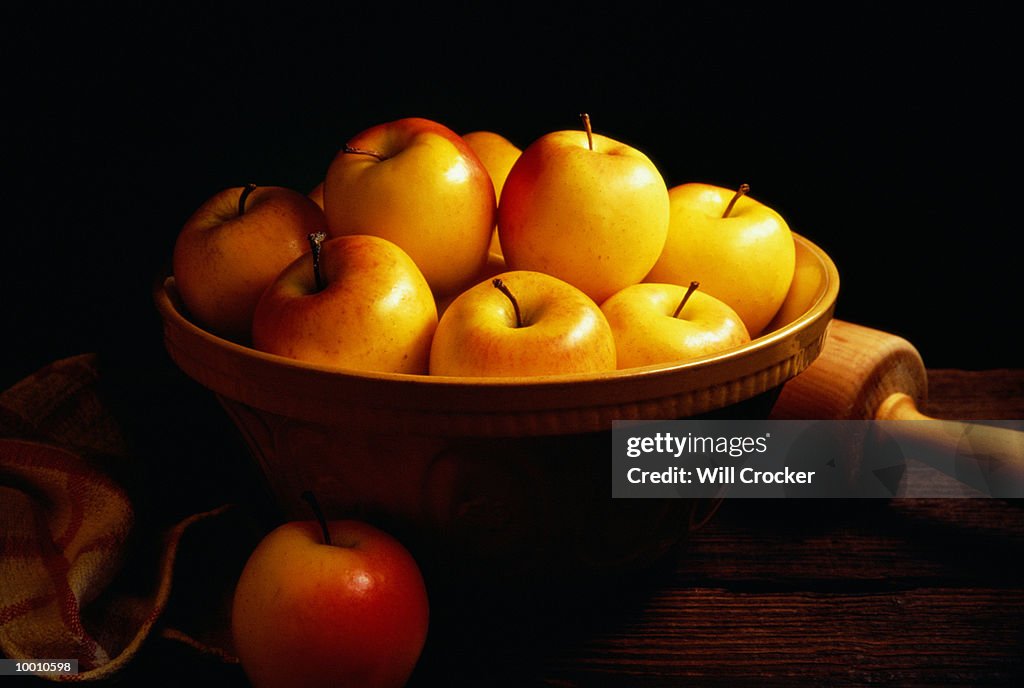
{"x":507,"y":475}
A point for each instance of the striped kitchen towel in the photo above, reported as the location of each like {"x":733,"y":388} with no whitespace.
{"x":77,"y":579}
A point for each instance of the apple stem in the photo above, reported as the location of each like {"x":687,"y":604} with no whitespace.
{"x":686,"y":297}
{"x":742,"y":191}
{"x":503,"y":288}
{"x":249,"y":188}
{"x":316,"y":240}
{"x":364,"y":151}
{"x":590,"y":132}
{"x":318,"y":512}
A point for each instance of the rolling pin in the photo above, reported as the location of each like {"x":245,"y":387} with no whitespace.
{"x":867,"y":374}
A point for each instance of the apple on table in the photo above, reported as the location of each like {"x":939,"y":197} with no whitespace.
{"x":522,"y":323}
{"x":417,"y":183}
{"x":585,"y":208}
{"x":356,"y":301}
{"x":740,"y":250}
{"x":233,"y":246}
{"x":664,"y":323}
{"x":338,"y":604}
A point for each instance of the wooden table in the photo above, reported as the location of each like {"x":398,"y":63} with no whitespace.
{"x":797,"y":592}
{"x":768,"y":592}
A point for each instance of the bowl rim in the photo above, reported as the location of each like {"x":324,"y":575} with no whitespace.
{"x":822,"y":307}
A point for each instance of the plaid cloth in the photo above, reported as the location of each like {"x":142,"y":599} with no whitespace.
{"x":82,"y":576}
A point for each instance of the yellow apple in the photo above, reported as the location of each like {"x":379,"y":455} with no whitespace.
{"x":356,"y":302}
{"x":418,"y":184}
{"x":585,"y":208}
{"x":498,"y":154}
{"x":494,"y":266}
{"x":664,"y":323}
{"x":808,"y":279}
{"x":339,"y":603}
{"x":233,"y":246}
{"x":519,"y":324}
{"x":740,"y":250}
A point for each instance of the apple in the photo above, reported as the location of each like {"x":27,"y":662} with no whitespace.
{"x":339,"y":603}
{"x":584,"y":208}
{"x":808,"y":280}
{"x":662,"y":323}
{"x":498,"y":154}
{"x":740,"y":250}
{"x":522,"y":323}
{"x":356,"y":301}
{"x":233,"y":246}
{"x":418,"y":184}
{"x":317,"y":194}
{"x":494,"y":266}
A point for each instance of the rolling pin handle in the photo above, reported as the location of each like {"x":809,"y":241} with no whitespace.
{"x":994,"y":455}
{"x":899,"y":406}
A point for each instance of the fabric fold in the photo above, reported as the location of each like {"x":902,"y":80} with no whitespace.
{"x":79,"y":579}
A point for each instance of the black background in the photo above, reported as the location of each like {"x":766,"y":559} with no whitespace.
{"x":887,"y":136}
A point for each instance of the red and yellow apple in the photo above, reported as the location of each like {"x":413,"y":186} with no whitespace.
{"x":233,"y":246}
{"x":498,"y":154}
{"x":418,"y":184}
{"x":340,"y":604}
{"x":356,"y":302}
{"x":739,"y":250}
{"x":663,"y":323}
{"x":522,"y":323}
{"x":585,"y":208}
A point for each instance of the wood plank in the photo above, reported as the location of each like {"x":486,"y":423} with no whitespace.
{"x":713,"y":637}
{"x":857,"y":544}
{"x":975,"y":394}
{"x":709,"y":636}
